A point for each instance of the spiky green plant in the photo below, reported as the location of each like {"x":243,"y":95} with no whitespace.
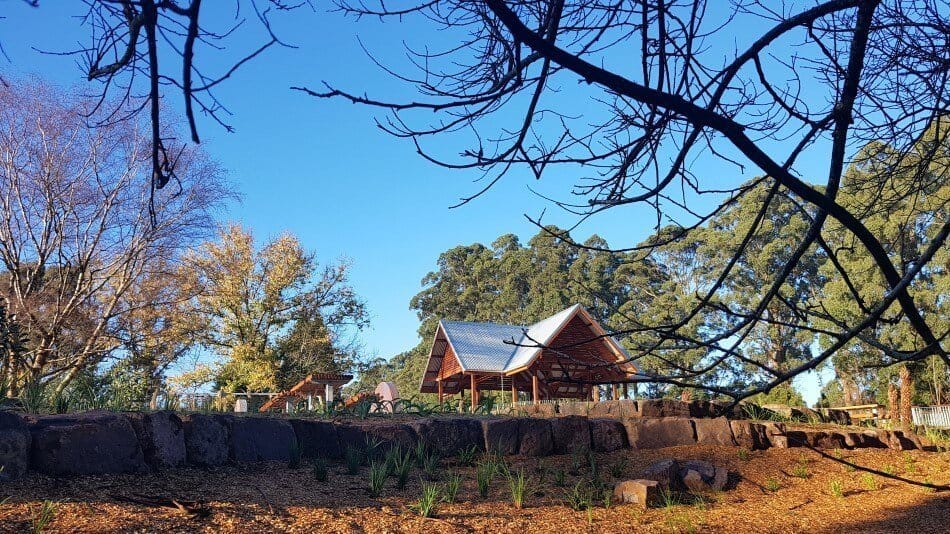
{"x":467,"y":456}
{"x":837,"y":488}
{"x":518,"y":484}
{"x":869,"y":482}
{"x":452,"y":486}
{"x":485,"y":470}
{"x":319,"y":467}
{"x":618,"y":468}
{"x":801,"y":471}
{"x":43,"y":517}
{"x":377,"y":478}
{"x":354,"y":460}
{"x":293,"y":461}
{"x":772,"y":484}
{"x":743,"y":454}
{"x":402,"y":465}
{"x":580,"y":497}
{"x":430,"y":465}
{"x":559,"y":476}
{"x":428,"y":503}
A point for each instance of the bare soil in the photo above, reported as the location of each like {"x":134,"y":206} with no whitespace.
{"x":276,"y":498}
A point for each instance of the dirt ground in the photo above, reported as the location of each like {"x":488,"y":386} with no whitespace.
{"x":766,"y":493}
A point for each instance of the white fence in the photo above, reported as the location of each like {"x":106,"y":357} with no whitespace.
{"x":931,"y":416}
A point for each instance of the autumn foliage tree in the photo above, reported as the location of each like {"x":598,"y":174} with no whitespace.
{"x":252,"y":298}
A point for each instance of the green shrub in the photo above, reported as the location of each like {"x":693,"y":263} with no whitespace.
{"x":772,"y":484}
{"x":617,"y":469}
{"x":467,"y":456}
{"x":743,"y":454}
{"x":430,"y":465}
{"x":377,"y":478}
{"x":869,"y":482}
{"x":837,"y":488}
{"x":294,"y":461}
{"x":452,"y":486}
{"x":402,"y":463}
{"x":485,"y":470}
{"x":43,"y":517}
{"x":518,"y":484}
{"x":319,"y":467}
{"x":354,"y":459}
{"x":580,"y":497}
{"x":800,"y":471}
{"x":428,"y":503}
{"x":559,"y":476}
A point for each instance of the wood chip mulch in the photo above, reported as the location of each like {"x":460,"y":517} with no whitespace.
{"x":276,"y":498}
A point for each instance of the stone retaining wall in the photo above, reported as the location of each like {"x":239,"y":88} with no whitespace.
{"x":106,"y":442}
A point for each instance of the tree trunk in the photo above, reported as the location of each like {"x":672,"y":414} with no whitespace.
{"x":893,"y":404}
{"x":907,"y":398}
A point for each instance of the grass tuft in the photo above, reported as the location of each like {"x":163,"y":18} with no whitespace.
{"x":428,"y":503}
{"x":43,"y":517}
{"x":319,"y":467}
{"x":377,"y":478}
{"x":452,"y":486}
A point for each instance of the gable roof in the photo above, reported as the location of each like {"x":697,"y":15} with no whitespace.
{"x":504,"y":349}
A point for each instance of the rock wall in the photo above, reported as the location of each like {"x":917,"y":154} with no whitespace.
{"x":105,"y":442}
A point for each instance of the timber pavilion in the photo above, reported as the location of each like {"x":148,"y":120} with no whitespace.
{"x":564,"y":356}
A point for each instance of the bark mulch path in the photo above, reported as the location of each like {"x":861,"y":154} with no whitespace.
{"x":275,"y":498}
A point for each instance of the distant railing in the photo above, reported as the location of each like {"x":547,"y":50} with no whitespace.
{"x":931,"y":416}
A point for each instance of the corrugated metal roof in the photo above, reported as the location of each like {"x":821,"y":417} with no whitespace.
{"x":481,"y":346}
{"x":540,"y":333}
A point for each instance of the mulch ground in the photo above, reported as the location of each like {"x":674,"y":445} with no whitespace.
{"x":268,"y":498}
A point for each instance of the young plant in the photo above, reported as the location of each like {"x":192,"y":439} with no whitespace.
{"x":467,"y":456}
{"x":837,"y":488}
{"x":428,"y":503}
{"x":579,"y":497}
{"x":617,"y":469}
{"x":518,"y":484}
{"x":430,"y":465}
{"x":43,"y":517}
{"x":377,"y":478}
{"x":420,"y":453}
{"x":772,"y":484}
{"x":869,"y":482}
{"x":484,"y":472}
{"x":744,"y":454}
{"x":371,"y":448}
{"x":559,"y":476}
{"x":801,"y":471}
{"x":293,"y":462}
{"x":319,"y":467}
{"x":354,"y":459}
{"x":401,"y":466}
{"x":452,"y":486}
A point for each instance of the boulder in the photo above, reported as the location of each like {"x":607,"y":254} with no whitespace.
{"x":14,"y":446}
{"x":502,"y":436}
{"x":573,"y":408}
{"x":91,"y":443}
{"x":570,"y":433}
{"x":599,"y":409}
{"x":162,"y":438}
{"x":642,"y":492}
{"x":776,"y":435}
{"x":663,"y":408}
{"x":900,"y":441}
{"x":206,"y":439}
{"x":450,"y":435}
{"x":868,"y":439}
{"x":666,"y":473}
{"x":260,"y":439}
{"x":795,"y":413}
{"x":698,"y":476}
{"x":535,"y":437}
{"x":714,"y":432}
{"x":546,"y":410}
{"x":607,"y":435}
{"x":656,"y":433}
{"x":832,"y":415}
{"x":391,"y":435}
{"x":316,"y":439}
{"x":749,"y":435}
{"x":350,"y":436}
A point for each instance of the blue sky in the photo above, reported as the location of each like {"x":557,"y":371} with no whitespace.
{"x":322,"y":169}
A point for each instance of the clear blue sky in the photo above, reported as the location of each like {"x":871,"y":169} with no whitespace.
{"x":321,"y":169}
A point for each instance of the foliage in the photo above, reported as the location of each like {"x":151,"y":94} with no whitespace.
{"x":518,"y":484}
{"x":43,"y":517}
{"x":265,"y":306}
{"x":319,"y":469}
{"x":377,"y":478}
{"x":772,"y":484}
{"x":428,"y":503}
{"x":452,"y":486}
{"x":354,"y":459}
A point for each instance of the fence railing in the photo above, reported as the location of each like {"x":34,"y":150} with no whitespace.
{"x":931,"y":416}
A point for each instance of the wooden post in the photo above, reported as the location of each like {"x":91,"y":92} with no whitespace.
{"x":616,"y":392}
{"x":626,"y":393}
{"x":534,"y":389}
{"x":594,"y":393}
{"x":514,"y":392}
{"x":440,"y":393}
{"x":474,"y":393}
